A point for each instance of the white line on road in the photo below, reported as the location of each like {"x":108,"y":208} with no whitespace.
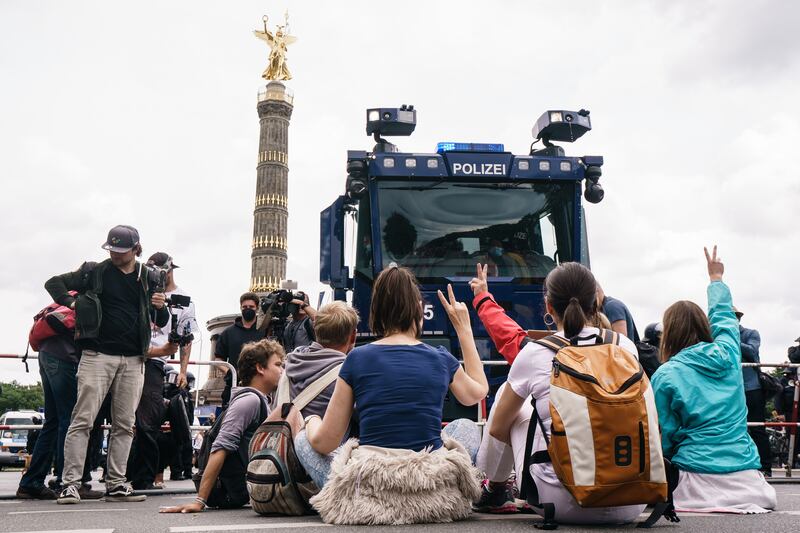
{"x":241,"y":527}
{"x":70,"y":531}
{"x":68,"y":511}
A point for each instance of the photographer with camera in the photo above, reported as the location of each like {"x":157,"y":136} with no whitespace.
{"x":230,"y":341}
{"x":176,"y":334}
{"x":114,"y":349}
{"x":300,"y":330}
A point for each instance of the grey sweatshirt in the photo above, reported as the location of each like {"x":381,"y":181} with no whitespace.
{"x":305,"y":365}
{"x":243,"y":411}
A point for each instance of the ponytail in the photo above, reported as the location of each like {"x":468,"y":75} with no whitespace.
{"x":570,"y":290}
{"x":573,"y":319}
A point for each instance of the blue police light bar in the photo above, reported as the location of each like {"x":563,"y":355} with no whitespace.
{"x":468,"y":147}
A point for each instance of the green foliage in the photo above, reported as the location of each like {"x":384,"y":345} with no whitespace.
{"x":15,"y":396}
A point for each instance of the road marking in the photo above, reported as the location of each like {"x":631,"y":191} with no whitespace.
{"x":69,"y":511}
{"x":70,"y":531}
{"x":241,"y":527}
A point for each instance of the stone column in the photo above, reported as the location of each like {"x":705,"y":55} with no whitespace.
{"x":272,"y":189}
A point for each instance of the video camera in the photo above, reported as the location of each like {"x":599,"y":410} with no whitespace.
{"x":157,"y":281}
{"x":277,"y":306}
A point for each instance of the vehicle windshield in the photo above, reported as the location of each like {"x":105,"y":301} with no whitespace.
{"x":438,"y":229}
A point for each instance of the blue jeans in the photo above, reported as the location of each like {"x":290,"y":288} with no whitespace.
{"x":60,"y":385}
{"x":318,"y":466}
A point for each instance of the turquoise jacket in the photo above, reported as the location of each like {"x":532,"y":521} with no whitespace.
{"x":700,"y":398}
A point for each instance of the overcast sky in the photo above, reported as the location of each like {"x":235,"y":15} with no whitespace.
{"x":145,"y":114}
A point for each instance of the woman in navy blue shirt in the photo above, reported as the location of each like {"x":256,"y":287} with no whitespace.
{"x":398,"y":383}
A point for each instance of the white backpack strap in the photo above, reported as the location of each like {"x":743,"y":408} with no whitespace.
{"x":314,"y":390}
{"x":282,"y":394}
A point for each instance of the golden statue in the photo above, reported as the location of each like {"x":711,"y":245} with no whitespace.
{"x":277,"y":69}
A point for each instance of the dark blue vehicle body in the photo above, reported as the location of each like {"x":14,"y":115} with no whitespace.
{"x":465,"y":197}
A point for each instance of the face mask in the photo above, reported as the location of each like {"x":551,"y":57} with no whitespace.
{"x":495,"y":251}
{"x":248,"y":314}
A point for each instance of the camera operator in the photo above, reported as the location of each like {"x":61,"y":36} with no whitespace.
{"x":114,"y":349}
{"x":232,"y":338}
{"x":144,"y":458}
{"x":300,"y":330}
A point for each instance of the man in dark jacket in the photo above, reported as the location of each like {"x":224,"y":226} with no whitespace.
{"x":232,"y":338}
{"x":750,"y":341}
{"x":113,"y":311}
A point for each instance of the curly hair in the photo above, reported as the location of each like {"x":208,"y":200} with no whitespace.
{"x":256,"y":353}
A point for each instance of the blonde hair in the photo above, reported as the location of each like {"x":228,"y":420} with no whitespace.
{"x":334,"y":323}
{"x":599,"y":320}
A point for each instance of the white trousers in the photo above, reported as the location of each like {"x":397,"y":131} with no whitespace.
{"x":498,"y":459}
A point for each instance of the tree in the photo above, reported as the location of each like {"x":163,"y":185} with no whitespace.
{"x":15,"y":396}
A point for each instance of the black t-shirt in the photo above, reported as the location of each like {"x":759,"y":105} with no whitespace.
{"x":119,"y":326}
{"x":230,"y":341}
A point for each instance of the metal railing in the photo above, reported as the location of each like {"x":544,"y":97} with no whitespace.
{"x":231,"y":368}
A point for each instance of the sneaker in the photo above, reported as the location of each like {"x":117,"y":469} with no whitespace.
{"x":123,"y":493}
{"x":497,"y":501}
{"x":87,"y":493}
{"x":40,"y":493}
{"x":69,"y":495}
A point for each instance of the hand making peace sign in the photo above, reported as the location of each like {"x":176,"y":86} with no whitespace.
{"x":456,"y":311}
{"x":479,"y":284}
{"x":715,"y":266}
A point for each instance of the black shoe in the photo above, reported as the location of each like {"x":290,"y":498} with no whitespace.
{"x":87,"y":493}
{"x":40,"y":493}
{"x":149,"y":486}
{"x":123,"y":493}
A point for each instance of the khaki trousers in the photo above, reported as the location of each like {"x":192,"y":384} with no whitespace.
{"x":99,"y":374}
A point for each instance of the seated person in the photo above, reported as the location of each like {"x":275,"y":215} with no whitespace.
{"x":398,"y":383}
{"x":335,"y":331}
{"x":700,"y":399}
{"x":223,"y":480}
{"x":570,"y":299}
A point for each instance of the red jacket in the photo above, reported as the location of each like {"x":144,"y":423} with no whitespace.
{"x":506,"y":334}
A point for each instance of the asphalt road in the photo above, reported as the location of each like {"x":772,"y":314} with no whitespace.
{"x":101,"y":517}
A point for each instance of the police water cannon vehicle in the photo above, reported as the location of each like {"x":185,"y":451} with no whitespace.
{"x":439,"y":214}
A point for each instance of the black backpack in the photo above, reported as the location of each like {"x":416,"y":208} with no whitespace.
{"x":230,"y":489}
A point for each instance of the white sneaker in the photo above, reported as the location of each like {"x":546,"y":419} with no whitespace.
{"x":69,"y":495}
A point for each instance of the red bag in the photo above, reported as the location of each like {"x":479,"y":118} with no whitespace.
{"x":55,"y":319}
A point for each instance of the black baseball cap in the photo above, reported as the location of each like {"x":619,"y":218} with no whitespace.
{"x":162,"y":259}
{"x":121,"y":239}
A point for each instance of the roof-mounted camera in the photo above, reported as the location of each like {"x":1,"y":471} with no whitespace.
{"x":390,"y":121}
{"x":560,"y":126}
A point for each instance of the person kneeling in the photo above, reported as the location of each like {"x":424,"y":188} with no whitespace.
{"x":701,"y":405}
{"x":221,"y":480}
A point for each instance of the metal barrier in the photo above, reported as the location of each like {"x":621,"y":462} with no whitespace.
{"x":230,"y":367}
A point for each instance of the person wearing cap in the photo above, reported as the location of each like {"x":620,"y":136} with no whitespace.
{"x":143,"y":462}
{"x":750,"y":341}
{"x":113,"y":311}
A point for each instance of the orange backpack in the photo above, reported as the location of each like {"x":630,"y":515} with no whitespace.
{"x":604,"y":442}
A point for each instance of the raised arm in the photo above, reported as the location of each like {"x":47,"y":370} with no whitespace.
{"x":507,"y":335}
{"x":469,"y":385}
{"x":724,"y":326}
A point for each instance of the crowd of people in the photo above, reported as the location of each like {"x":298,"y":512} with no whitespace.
{"x":693,"y":446}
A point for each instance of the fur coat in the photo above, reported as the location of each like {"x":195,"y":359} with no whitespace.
{"x":380,"y":486}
